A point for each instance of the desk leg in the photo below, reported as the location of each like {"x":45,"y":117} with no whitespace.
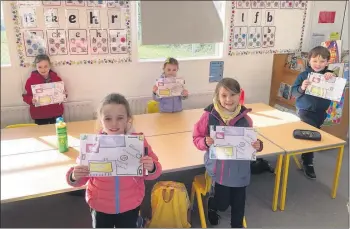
{"x":285,"y":181}
{"x":337,"y":171}
{"x":277,"y":182}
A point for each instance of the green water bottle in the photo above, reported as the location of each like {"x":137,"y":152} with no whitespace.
{"x":62,"y":137}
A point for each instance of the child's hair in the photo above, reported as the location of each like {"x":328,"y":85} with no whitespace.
{"x":115,"y":98}
{"x":229,"y":84}
{"x":319,"y":51}
{"x":42,"y":57}
{"x":171,"y":60}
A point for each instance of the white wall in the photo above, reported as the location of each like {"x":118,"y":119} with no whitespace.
{"x":92,"y":82}
{"x":314,"y":27}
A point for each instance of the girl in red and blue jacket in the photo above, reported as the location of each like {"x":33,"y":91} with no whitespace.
{"x":115,"y":201}
{"x":42,"y":115}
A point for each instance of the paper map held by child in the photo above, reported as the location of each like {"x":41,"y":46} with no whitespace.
{"x":232,"y":143}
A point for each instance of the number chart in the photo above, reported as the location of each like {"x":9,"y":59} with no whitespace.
{"x":73,"y":32}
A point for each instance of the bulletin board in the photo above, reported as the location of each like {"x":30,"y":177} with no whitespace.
{"x":262,"y":27}
{"x":73,"y":32}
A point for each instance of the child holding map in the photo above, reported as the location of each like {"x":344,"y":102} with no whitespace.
{"x":170,"y":104}
{"x":115,"y":201}
{"x":230,"y":177}
{"x":312,"y":109}
{"x":42,"y":115}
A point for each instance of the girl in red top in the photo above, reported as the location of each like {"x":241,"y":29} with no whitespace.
{"x":44,"y":114}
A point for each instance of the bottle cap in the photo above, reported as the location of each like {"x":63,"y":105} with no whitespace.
{"x":59,"y":119}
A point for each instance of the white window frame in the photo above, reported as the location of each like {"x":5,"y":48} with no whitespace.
{"x":219,"y":47}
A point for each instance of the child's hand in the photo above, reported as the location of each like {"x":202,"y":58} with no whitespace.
{"x":148,"y":163}
{"x":34,"y":101}
{"x":184,"y":92}
{"x":80,"y":171}
{"x":305,"y":84}
{"x":155,"y":89}
{"x":209,"y":141}
{"x":329,"y":75}
{"x":256,"y":145}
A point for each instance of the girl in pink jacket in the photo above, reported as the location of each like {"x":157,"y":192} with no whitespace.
{"x":230,"y":177}
{"x":115,"y":201}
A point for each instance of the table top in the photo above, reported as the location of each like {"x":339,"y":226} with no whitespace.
{"x":282,"y":135}
{"x":43,"y":137}
{"x":36,"y":174}
{"x":149,"y":124}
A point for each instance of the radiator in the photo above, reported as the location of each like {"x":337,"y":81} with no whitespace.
{"x":138,"y":105}
{"x":73,"y":111}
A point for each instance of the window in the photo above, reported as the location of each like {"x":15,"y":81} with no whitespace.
{"x":5,"y":54}
{"x":178,"y":50}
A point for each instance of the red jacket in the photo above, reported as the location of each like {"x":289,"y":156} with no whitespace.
{"x":43,"y":112}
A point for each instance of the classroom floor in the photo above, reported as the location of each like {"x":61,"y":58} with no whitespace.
{"x":308,"y":202}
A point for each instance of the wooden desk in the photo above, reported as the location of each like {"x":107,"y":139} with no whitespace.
{"x":258,"y":107}
{"x":282,"y":135}
{"x":36,"y":174}
{"x":39,"y":138}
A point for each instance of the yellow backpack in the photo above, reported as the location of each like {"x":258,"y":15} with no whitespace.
{"x":170,"y":206}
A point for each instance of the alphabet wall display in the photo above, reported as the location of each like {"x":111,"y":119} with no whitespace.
{"x":34,"y":42}
{"x":51,"y":3}
{"x":256,"y":27}
{"x":72,"y":17}
{"x":114,"y":19}
{"x":98,"y":41}
{"x":115,"y":3}
{"x":28,"y":17}
{"x":78,"y":43}
{"x":28,"y":3}
{"x":57,"y":42}
{"x":73,"y":32}
{"x":118,"y":41}
{"x":75,"y":3}
{"x":96,"y":3}
{"x":51,"y":18}
{"x":93,"y":18}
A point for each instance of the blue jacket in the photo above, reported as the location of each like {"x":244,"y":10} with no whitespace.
{"x":308,"y":102}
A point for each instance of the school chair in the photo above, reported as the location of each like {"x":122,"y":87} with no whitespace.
{"x":201,"y":186}
{"x":152,"y":107}
{"x":20,"y":125}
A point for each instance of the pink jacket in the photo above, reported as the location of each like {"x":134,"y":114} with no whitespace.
{"x":230,"y":173}
{"x":113,"y":195}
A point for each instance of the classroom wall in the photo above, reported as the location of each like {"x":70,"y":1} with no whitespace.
{"x":92,"y":82}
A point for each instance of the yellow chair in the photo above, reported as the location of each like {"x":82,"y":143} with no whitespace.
{"x":201,"y":186}
{"x":20,"y":125}
{"x":152,"y":107}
